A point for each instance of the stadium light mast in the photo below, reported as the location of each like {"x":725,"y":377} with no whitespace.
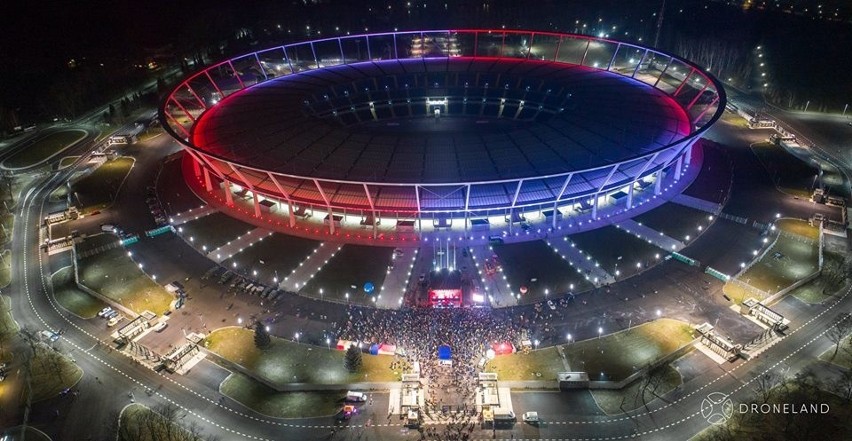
{"x":659,"y":24}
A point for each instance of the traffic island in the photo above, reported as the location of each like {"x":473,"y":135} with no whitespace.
{"x":72,"y":298}
{"x":141,"y":423}
{"x":270,"y":402}
{"x":654,"y":384}
{"x":790,"y":259}
{"x":98,"y":189}
{"x":538,"y":365}
{"x":44,"y":148}
{"x":617,"y":357}
{"x":286,"y":365}
{"x":114,"y":275}
{"x":51,"y":372}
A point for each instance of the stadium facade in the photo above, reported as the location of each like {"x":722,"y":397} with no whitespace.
{"x":426,"y":131}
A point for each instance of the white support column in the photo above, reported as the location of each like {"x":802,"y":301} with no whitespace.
{"x":292,"y":219}
{"x":207,"y":184}
{"x":658,"y":183}
{"x":466,"y":205}
{"x":327,"y":205}
{"x":598,"y":193}
{"x":256,"y":204}
{"x":630,"y":195}
{"x":678,"y":168}
{"x":229,"y":197}
{"x":688,"y":155}
{"x":514,"y":201}
{"x":419,"y":214}
{"x":372,"y":208}
{"x":636,"y":178}
{"x":559,"y":197}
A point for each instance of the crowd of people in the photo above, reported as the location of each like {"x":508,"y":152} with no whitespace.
{"x":417,"y":334}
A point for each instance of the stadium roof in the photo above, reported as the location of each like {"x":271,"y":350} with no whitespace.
{"x":335,"y":123}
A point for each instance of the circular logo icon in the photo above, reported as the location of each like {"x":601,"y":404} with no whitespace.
{"x":717,"y":408}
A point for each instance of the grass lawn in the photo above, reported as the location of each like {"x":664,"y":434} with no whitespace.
{"x":66,"y":161}
{"x":617,"y":355}
{"x":843,"y":358}
{"x":788,"y":261}
{"x":279,"y":252}
{"x":790,"y":174}
{"x":214,"y":230}
{"x":675,"y":221}
{"x":798,"y":226}
{"x":73,"y":298}
{"x":525,"y":261}
{"x":812,"y":292}
{"x":614,"y":402}
{"x":6,"y":268}
{"x":95,"y":241}
{"x":288,"y":362}
{"x":352,"y":265}
{"x":114,"y":275}
{"x":44,"y":148}
{"x":98,"y":189}
{"x":264,"y":400}
{"x":527,"y":366}
{"x":141,"y":423}
{"x":8,"y":327}
{"x":52,"y":372}
{"x":607,"y":244}
{"x":8,"y":221}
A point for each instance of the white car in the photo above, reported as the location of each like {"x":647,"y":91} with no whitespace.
{"x":551,"y":305}
{"x":114,"y":321}
{"x":104,"y":312}
{"x":530,"y":417}
{"x":160,"y":326}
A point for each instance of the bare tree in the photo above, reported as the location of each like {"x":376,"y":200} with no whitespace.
{"x":841,"y":326}
{"x":764,"y":384}
{"x":842,"y":386}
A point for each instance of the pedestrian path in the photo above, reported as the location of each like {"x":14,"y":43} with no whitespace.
{"x":397,"y":279}
{"x":310,"y":266}
{"x":237,"y":245}
{"x":697,"y":203}
{"x":647,"y":233}
{"x":582,"y":261}
{"x":493,"y":280}
{"x":192,"y":214}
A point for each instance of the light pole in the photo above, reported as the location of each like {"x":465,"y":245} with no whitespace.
{"x":600,"y":331}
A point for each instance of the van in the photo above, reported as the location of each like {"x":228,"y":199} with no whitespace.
{"x":504,"y":415}
{"x":356,"y":396}
{"x":109,"y":228}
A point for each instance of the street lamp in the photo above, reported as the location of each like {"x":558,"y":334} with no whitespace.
{"x":568,"y":337}
{"x":600,"y":331}
{"x":659,"y":312}
{"x":328,"y":342}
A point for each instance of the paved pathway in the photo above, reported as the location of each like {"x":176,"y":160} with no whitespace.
{"x":579,"y":259}
{"x":498,"y":289}
{"x":397,"y":278}
{"x":237,"y":245}
{"x":300,"y":276}
{"x":647,"y":233}
{"x":697,"y":203}
{"x":192,"y":214}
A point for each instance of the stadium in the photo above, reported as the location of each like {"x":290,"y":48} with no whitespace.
{"x":408,"y":135}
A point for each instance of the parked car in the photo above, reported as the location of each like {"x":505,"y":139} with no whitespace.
{"x":530,"y":417}
{"x":160,"y":326}
{"x":105,"y":311}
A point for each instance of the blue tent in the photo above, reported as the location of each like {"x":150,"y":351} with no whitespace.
{"x":374,"y":349}
{"x":369,"y":287}
{"x":444,"y":352}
